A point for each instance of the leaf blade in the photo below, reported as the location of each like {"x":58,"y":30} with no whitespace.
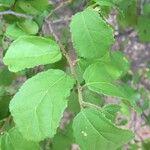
{"x":13,"y":140}
{"x":93,"y":130}
{"x":91,"y":36}
{"x":44,"y":94}
{"x":30,"y":51}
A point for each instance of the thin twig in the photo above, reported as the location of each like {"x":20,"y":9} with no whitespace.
{"x":10,"y":12}
{"x":62,"y":4}
{"x":61,"y":20}
{"x":73,"y":72}
{"x":61,"y":47}
{"x":66,"y":55}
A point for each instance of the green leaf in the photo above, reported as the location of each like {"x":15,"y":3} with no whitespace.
{"x":29,"y":26}
{"x":80,"y":67}
{"x":146,"y":144}
{"x":100,"y":71}
{"x":92,"y":36}
{"x":13,"y":140}
{"x":40,"y":5}
{"x":26,"y":7}
{"x":111,"y":69}
{"x":26,"y":27}
{"x":13,"y":32}
{"x":128,"y":17}
{"x":109,"y":3}
{"x":92,"y":130}
{"x":101,"y":79}
{"x":110,"y":111}
{"x":63,"y":139}
{"x":39,"y":105}
{"x":4,"y":103}
{"x":31,"y":51}
{"x":6,"y":3}
{"x":92,"y":97}
{"x":40,"y":18}
{"x":6,"y":77}
{"x":146,"y":9}
{"x":73,"y":104}
{"x":119,"y":62}
{"x":34,"y":7}
{"x":143,"y":28}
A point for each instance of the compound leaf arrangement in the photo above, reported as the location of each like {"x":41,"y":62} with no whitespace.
{"x":33,"y":113}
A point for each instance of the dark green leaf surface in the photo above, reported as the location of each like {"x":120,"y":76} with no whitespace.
{"x":92,"y":97}
{"x":4,"y":103}
{"x":29,"y":26}
{"x":143,"y":28}
{"x":34,"y":7}
{"x":146,"y":9}
{"x":6,"y":77}
{"x":63,"y":139}
{"x":128,"y":17}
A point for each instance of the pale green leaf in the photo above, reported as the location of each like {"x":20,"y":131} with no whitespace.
{"x":13,"y":32}
{"x":29,"y":26}
{"x":13,"y":140}
{"x":31,"y":51}
{"x":101,"y":79}
{"x":39,"y":105}
{"x":92,"y":36}
{"x":93,"y":131}
{"x":113,"y":66}
{"x":6,"y":3}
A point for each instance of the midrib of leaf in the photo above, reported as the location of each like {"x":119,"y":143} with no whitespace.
{"x":40,"y":101}
{"x":26,"y":57}
{"x":92,"y":83}
{"x":87,"y":29}
{"x":34,"y":58}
